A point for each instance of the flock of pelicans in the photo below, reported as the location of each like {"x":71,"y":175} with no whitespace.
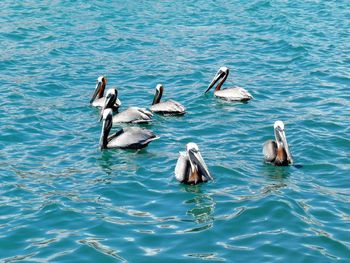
{"x":190,"y":167}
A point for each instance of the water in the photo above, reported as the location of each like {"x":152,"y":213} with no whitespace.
{"x":62,"y":200}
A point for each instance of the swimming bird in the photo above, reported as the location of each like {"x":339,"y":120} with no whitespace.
{"x":277,"y":152}
{"x":231,"y":94}
{"x":126,"y":138}
{"x":130,"y":115}
{"x":98,"y":98}
{"x":169,"y":108}
{"x":190,"y":167}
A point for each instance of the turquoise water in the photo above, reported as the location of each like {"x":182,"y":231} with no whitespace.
{"x":62,"y":200}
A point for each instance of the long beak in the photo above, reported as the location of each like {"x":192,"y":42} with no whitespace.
{"x":97,"y":90}
{"x":196,"y":159}
{"x":102,"y":135}
{"x":215,"y":79}
{"x":157,"y":97}
{"x":283,"y":138}
{"x":106,"y":128}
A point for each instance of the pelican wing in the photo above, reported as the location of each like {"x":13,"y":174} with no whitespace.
{"x":270,"y":151}
{"x":182,"y":168}
{"x":133,"y":115}
{"x":233,"y":94}
{"x":131,"y":138}
{"x":170,"y":107}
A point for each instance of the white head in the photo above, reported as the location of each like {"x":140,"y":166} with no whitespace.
{"x":111,"y":91}
{"x":223,"y":69}
{"x":100,"y":78}
{"x":192,"y":146}
{"x":279,"y":124}
{"x":159,"y":87}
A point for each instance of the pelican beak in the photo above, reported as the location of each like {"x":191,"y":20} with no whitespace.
{"x":106,"y":127}
{"x":102,"y":135}
{"x":158,"y":94}
{"x":97,"y":90}
{"x":196,"y":160}
{"x":282,"y":139}
{"x":218,"y":76}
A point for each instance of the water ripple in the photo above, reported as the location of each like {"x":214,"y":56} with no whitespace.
{"x":62,"y":198}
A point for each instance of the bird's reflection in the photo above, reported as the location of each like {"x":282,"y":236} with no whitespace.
{"x":105,"y":162}
{"x":277,"y":173}
{"x":277,"y":178}
{"x":202,"y":206}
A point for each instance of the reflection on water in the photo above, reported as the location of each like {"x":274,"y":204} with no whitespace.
{"x":202,"y":207}
{"x":106,"y":162}
{"x":278,"y":173}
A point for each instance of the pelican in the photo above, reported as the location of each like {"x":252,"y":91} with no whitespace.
{"x":231,"y":94}
{"x":169,"y":108}
{"x":130,"y":115}
{"x":277,"y":152}
{"x":126,"y":138}
{"x":190,"y":167}
{"x":98,"y":98}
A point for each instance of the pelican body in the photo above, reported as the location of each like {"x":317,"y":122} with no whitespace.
{"x":130,"y":115}
{"x":231,"y":94}
{"x":169,"y":108}
{"x":190,"y":167}
{"x":126,"y":138}
{"x":98,"y":98}
{"x":277,"y":152}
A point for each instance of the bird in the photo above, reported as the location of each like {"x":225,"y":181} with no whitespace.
{"x":97,"y":99}
{"x":190,"y":167}
{"x":126,"y":138}
{"x":230,"y":94}
{"x":168,"y":108}
{"x":277,"y":152}
{"x":130,"y":115}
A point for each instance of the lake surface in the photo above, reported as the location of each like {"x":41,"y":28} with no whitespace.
{"x":63,"y":200}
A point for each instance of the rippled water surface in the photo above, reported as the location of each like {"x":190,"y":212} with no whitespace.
{"x":63,"y":200}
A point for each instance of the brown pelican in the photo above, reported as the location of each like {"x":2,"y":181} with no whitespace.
{"x":130,"y":115}
{"x":167,"y":107}
{"x":98,"y":98}
{"x":231,"y":94}
{"x":126,"y":138}
{"x":190,"y":167}
{"x":277,"y":152}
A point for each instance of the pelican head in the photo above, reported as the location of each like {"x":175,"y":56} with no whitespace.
{"x":99,"y":89}
{"x":281,"y":140}
{"x":107,"y":116}
{"x":158,"y":94}
{"x":196,"y":161}
{"x":110,"y":100}
{"x":220,"y":75}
